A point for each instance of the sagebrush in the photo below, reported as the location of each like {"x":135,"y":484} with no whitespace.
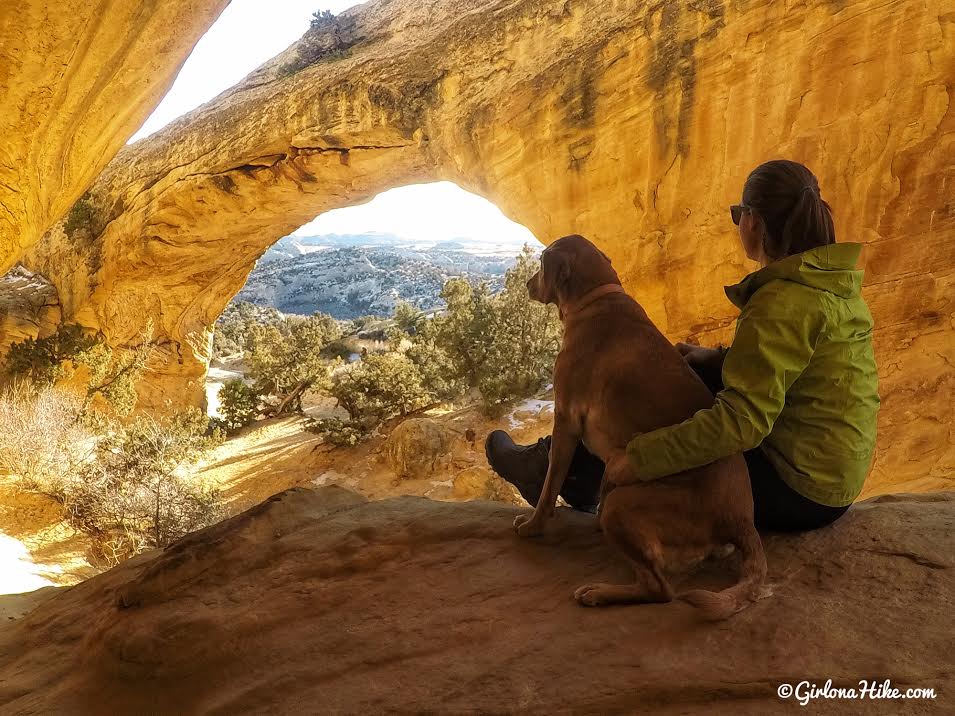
{"x":129,"y":487}
{"x":137,"y":492}
{"x":43,"y":441}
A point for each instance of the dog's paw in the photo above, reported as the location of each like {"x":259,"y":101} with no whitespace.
{"x":592,"y":595}
{"x":528,"y":525}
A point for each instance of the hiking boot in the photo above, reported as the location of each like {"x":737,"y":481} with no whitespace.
{"x":525,"y":467}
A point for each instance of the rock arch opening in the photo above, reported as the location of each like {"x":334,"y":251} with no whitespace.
{"x":401,"y":246}
{"x":358,"y":264}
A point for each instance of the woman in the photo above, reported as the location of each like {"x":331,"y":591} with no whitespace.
{"x":797,"y":391}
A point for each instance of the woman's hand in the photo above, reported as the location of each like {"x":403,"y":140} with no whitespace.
{"x":685,"y":348}
{"x":618,"y":470}
{"x":699,"y":357}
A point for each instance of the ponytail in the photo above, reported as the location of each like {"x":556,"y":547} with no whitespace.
{"x":786,"y":196}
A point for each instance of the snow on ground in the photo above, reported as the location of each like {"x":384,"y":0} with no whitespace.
{"x":18,"y":572}
{"x":529,"y":409}
{"x":326,"y":476}
{"x":215,"y":379}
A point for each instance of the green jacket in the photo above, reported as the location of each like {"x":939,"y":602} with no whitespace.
{"x":799,"y":380}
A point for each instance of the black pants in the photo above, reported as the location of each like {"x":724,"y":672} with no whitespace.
{"x":776,"y":506}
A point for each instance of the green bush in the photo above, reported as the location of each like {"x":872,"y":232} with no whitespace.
{"x":440,"y":375}
{"x":379,"y":386}
{"x":230,"y":335}
{"x":112,"y":374}
{"x":338,"y":432}
{"x":286,"y":365}
{"x":238,"y":404}
{"x":363,"y":322}
{"x":407,"y":318}
{"x":504,"y":346}
{"x":524,"y":341}
{"x":44,"y":361}
{"x":82,"y":218}
{"x":327,"y":39}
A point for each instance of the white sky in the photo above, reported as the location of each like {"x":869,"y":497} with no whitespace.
{"x":427,"y":212}
{"x":249,"y":32}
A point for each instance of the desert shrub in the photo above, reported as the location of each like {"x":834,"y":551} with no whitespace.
{"x":286,"y":365}
{"x":524,"y":341}
{"x":232,"y":329}
{"x":238,"y":404}
{"x":379,"y":386}
{"x":504,"y":346}
{"x":82,"y":218}
{"x":328,"y":38}
{"x":44,"y":361}
{"x":407,"y":318}
{"x":363,"y":322}
{"x":440,"y":376}
{"x":114,"y":374}
{"x":338,"y":432}
{"x":111,"y":374}
{"x":42,"y":439}
{"x":464,"y":331}
{"x":136,"y":493}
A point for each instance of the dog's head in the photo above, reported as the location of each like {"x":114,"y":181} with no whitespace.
{"x":570,"y":267}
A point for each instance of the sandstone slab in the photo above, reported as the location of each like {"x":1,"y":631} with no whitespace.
{"x":318,"y":601}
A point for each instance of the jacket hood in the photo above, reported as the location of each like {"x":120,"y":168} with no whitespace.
{"x":829,"y":268}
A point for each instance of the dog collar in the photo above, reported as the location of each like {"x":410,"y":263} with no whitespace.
{"x":590,"y":297}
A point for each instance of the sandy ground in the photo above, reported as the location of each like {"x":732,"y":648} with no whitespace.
{"x":274,"y":455}
{"x":38,"y":550}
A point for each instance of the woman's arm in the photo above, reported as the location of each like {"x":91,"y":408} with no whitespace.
{"x":772,"y":347}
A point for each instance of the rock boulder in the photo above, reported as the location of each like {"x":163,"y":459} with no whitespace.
{"x":419,"y":447}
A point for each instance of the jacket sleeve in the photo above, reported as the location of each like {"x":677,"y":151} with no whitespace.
{"x":774,"y":341}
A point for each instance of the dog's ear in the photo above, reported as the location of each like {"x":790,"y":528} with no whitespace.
{"x":555,"y":273}
{"x":605,"y":256}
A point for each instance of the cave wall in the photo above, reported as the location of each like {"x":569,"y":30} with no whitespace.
{"x":78,"y":78}
{"x":633,"y":123}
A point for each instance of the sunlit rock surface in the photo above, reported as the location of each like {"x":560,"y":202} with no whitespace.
{"x":78,"y":78}
{"x":321,"y":602}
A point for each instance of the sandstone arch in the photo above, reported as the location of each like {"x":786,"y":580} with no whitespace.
{"x":77,"y":78}
{"x":631,"y":122}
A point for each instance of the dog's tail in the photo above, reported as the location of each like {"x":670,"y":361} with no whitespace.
{"x":724,"y":604}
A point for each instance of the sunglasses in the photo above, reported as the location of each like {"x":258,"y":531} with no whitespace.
{"x":736,"y":211}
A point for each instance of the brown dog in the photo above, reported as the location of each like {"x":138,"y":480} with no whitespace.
{"x":616,"y":376}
